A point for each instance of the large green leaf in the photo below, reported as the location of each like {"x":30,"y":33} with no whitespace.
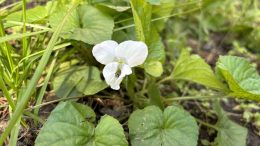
{"x":194,"y":68}
{"x":32,"y":15}
{"x":229,"y":133}
{"x":70,"y":124}
{"x":87,"y":24}
{"x":241,"y":77}
{"x":152,"y":127}
{"x":78,"y":81}
{"x":72,"y":23}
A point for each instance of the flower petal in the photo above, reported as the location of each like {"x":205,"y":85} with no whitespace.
{"x":133,"y":52}
{"x":116,"y":84}
{"x":105,"y":52}
{"x":125,"y":70}
{"x":109,"y":72}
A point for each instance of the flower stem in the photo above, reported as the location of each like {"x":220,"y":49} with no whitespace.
{"x":164,"y":80}
{"x":207,"y":124}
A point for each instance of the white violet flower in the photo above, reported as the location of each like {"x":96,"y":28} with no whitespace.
{"x":119,"y":58}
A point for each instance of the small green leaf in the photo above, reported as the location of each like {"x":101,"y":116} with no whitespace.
{"x":152,"y":127}
{"x":241,"y":77}
{"x":87,"y":24}
{"x":229,"y":133}
{"x":154,"y":68}
{"x":78,"y":81}
{"x":194,"y":68}
{"x":71,"y":124}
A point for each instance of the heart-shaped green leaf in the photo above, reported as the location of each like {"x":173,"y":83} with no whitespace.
{"x":70,"y":124}
{"x":229,"y":132}
{"x":78,"y":81}
{"x":152,"y":127}
{"x":86,"y":23}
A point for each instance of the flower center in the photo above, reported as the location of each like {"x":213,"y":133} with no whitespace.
{"x":118,"y":73}
{"x":120,"y":60}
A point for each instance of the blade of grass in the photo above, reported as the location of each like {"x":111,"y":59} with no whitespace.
{"x":17,"y":23}
{"x":5,"y":50}
{"x":36,"y":76}
{"x":25,"y":43}
{"x":15,"y":133}
{"x":46,"y":81}
{"x":6,"y":93}
{"x":9,"y":6}
{"x":56,"y":48}
{"x":18,"y":36}
{"x":159,"y":18}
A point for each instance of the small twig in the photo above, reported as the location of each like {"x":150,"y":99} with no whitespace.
{"x":58,"y":100}
{"x":53,"y":101}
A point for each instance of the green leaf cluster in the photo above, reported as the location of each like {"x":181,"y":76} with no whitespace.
{"x":241,"y":77}
{"x":72,"y":124}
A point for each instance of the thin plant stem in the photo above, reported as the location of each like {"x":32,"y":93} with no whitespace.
{"x":24,"y":40}
{"x":207,"y":124}
{"x":212,"y":97}
{"x":159,"y":18}
{"x":164,"y":80}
